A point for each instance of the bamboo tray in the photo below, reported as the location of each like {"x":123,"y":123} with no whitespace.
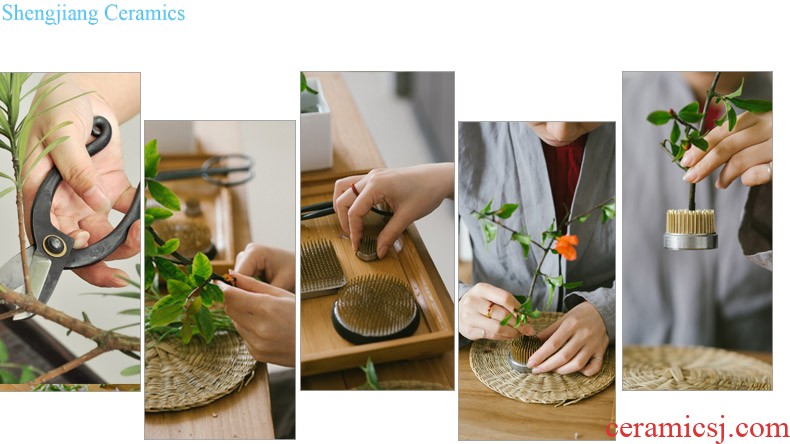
{"x":215,"y":202}
{"x":322,"y":348}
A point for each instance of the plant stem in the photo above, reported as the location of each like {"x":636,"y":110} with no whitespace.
{"x":20,"y":215}
{"x":600,"y":205}
{"x":69,"y":366}
{"x":494,"y":220}
{"x":705,"y":109}
{"x":537,"y":273}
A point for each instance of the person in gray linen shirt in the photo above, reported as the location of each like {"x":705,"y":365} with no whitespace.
{"x":505,"y":161}
{"x":714,"y":297}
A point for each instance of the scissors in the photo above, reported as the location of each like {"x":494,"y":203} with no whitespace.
{"x":52,"y":251}
{"x":322,"y":209}
{"x":210,"y":168}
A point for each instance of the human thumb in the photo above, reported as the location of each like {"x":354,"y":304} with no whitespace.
{"x":77,"y":168}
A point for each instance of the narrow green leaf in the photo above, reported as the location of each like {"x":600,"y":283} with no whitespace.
{"x":505,"y":320}
{"x":27,"y":374}
{"x":524,"y":240}
{"x":163,"y":195}
{"x":7,"y":377}
{"x":158,"y":213}
{"x":724,"y":116}
{"x":6,"y":191}
{"x":732,"y":118}
{"x":50,"y":145}
{"x":201,"y":266}
{"x":205,"y":324}
{"x":3,"y":352}
{"x":152,"y":159}
{"x":506,"y":210}
{"x":305,"y":86}
{"x":487,"y":210}
{"x":131,"y":370}
{"x":169,"y":247}
{"x":736,"y":93}
{"x":659,"y":117}
{"x":130,"y":311}
{"x":675,"y":135}
{"x":677,"y":152}
{"x":150,"y":272}
{"x":754,"y":105}
{"x":186,"y":328}
{"x":572,"y":285}
{"x":520,"y":298}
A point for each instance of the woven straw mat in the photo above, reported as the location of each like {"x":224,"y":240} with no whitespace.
{"x":692,"y":368}
{"x":489,"y":362}
{"x":180,"y":377}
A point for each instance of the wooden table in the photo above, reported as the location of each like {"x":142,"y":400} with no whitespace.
{"x":484,"y":414}
{"x":355,"y":152}
{"x":245,"y":414}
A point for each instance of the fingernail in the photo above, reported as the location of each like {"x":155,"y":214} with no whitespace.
{"x":690,"y":176}
{"x":96,"y":199}
{"x":381,"y":252}
{"x":686,"y":160}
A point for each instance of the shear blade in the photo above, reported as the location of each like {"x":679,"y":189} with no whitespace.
{"x":12,"y":278}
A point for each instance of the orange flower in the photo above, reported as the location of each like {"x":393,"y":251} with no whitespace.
{"x":565,"y":244}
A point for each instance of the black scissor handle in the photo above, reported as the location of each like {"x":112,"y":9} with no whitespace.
{"x":56,"y":244}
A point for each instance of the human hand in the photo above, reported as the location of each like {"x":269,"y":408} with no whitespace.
{"x":411,"y":192}
{"x":91,"y":185}
{"x":264,"y":316}
{"x":482,"y":309}
{"x":273,"y":265}
{"x":747,"y":152}
{"x":575,"y":342}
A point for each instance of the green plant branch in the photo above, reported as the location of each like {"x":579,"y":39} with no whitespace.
{"x":705,"y":109}
{"x":590,"y":211}
{"x":499,"y":223}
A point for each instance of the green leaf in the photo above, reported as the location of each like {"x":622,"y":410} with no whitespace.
{"x":732,"y":118}
{"x":7,"y":377}
{"x":168,"y":270}
{"x":608,"y":212}
{"x":725,"y":115}
{"x":754,"y":106}
{"x":736,"y":93}
{"x":27,"y":374}
{"x":3,"y":352}
{"x":131,"y":371}
{"x":677,"y":152}
{"x":489,"y":231}
{"x":201,"y":267}
{"x":186,"y":328}
{"x":163,"y":195}
{"x":675,"y":135}
{"x":305,"y":86}
{"x":487,"y":210}
{"x":166,"y":310}
{"x":506,"y":210}
{"x":150,"y":272}
{"x":150,"y":248}
{"x":179,"y":289}
{"x":690,"y":113}
{"x":158,"y":213}
{"x":213,"y":293}
{"x":205,"y":324}
{"x":699,"y":142}
{"x":520,"y":298}
{"x":659,"y":117}
{"x":572,"y":285}
{"x":505,"y":320}
{"x":130,"y":311}
{"x":6,"y":191}
{"x":152,"y":159}
{"x":169,"y":247}
{"x":370,"y":375}
{"x":524,"y":240}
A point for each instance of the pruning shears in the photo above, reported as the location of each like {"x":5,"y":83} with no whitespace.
{"x":52,"y":251}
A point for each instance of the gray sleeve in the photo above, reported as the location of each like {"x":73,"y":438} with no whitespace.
{"x":756,"y":231}
{"x":462,"y":289}
{"x":603,"y":299}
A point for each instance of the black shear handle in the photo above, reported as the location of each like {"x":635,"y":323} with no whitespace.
{"x":42,"y":206}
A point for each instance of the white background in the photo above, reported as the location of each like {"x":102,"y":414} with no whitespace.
{"x":514,"y":60}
